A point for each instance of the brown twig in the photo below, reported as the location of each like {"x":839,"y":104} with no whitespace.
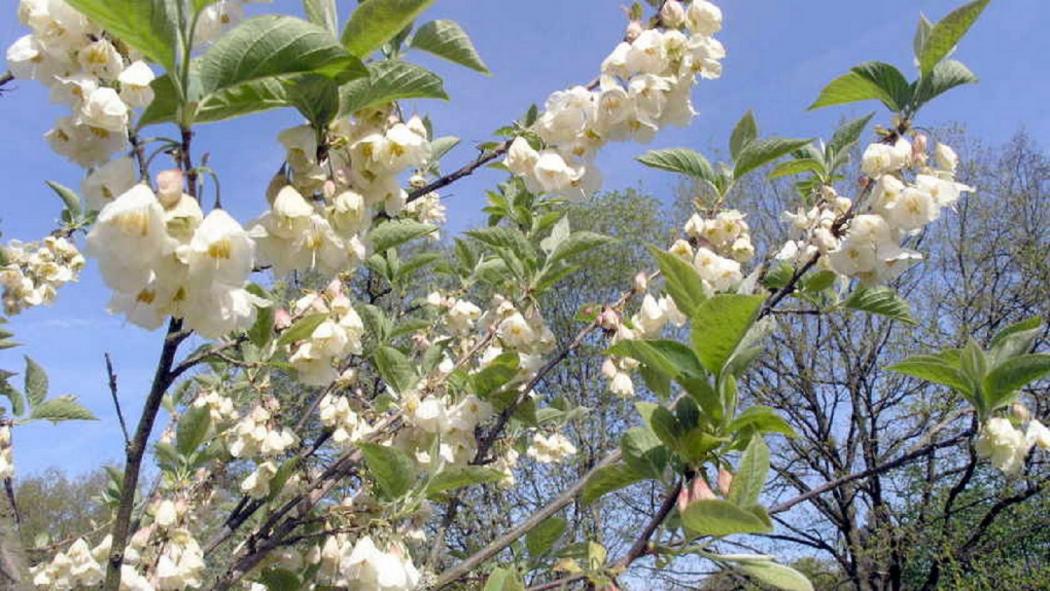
{"x":466,"y":170}
{"x":116,"y":401}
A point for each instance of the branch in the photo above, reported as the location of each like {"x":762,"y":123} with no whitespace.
{"x":116,"y":401}
{"x":466,"y":170}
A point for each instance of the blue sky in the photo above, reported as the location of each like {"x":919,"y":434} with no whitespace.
{"x":780,"y":53}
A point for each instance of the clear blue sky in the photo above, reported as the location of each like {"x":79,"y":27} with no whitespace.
{"x":780,"y":54}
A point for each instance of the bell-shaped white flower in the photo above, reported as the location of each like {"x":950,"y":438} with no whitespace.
{"x":128,"y":238}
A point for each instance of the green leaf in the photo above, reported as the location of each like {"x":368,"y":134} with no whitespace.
{"x":455,"y":477}
{"x":848,"y":134}
{"x":280,"y":579}
{"x":1016,"y":338}
{"x":775,"y":575}
{"x":18,"y":404}
{"x":880,"y":300}
{"x":745,"y":132}
{"x":541,"y":538}
{"x":192,"y":429}
{"x":751,"y":474}
{"x":315,"y":96}
{"x":441,"y":146}
{"x":669,"y":358}
{"x":762,"y":419}
{"x":800,"y":166}
{"x":261,"y":331}
{"x":680,"y":160}
{"x":392,"y":469}
{"x":394,"y":233}
{"x":388,"y":81}
{"x":715,"y":517}
{"x":150,"y":26}
{"x":945,"y":76}
{"x":761,"y":152}
{"x":35,"y":382}
{"x":68,"y":197}
{"x":1012,"y":375}
{"x":643,"y":452}
{"x":301,"y":329}
{"x":720,"y":324}
{"x":498,"y":373}
{"x":504,"y":579}
{"x":922,"y":32}
{"x":323,"y":13}
{"x":946,"y":33}
{"x":271,"y":45}
{"x":62,"y":408}
{"x":395,"y":368}
{"x":870,"y":80}
{"x":445,"y":38}
{"x":681,"y":281}
{"x":377,"y":21}
{"x":935,"y":369}
{"x":577,"y":243}
{"x":608,"y":479}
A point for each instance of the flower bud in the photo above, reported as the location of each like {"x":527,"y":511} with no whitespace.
{"x":672,"y":14}
{"x":641,"y":282}
{"x":634,"y":29}
{"x":282,"y":319}
{"x":169,"y":187}
{"x":918,"y":150}
{"x":725,"y":480}
{"x":609,"y":319}
{"x":329,"y":190}
{"x":700,"y":491}
{"x":682,"y":502}
{"x":1020,"y":412}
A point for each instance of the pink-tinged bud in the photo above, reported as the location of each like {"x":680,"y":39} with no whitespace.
{"x":169,"y":187}
{"x":725,"y":480}
{"x":334,"y":289}
{"x":641,"y":282}
{"x":282,"y":319}
{"x":609,"y":319}
{"x":329,"y":190}
{"x":672,"y":14}
{"x":420,"y":341}
{"x":683,"y":499}
{"x":634,"y":30}
{"x":918,"y":149}
{"x":700,"y":490}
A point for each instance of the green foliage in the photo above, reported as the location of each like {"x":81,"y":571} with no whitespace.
{"x":681,"y":281}
{"x":770,"y":573}
{"x":758,"y":153}
{"x":454,"y":477}
{"x":387,"y":81}
{"x":323,"y":13}
{"x":744,"y":133}
{"x":375,"y":22}
{"x":936,"y":43}
{"x":446,"y":39}
{"x":608,"y":479}
{"x":394,"y":233}
{"x":393,"y":471}
{"x":301,"y":329}
{"x":192,"y":429}
{"x":719,"y":325}
{"x":680,"y":160}
{"x":751,"y":474}
{"x":33,"y":404}
{"x":880,"y":300}
{"x":69,"y":198}
{"x":542,"y":538}
{"x":504,"y":579}
{"x":872,"y":80}
{"x":720,"y":518}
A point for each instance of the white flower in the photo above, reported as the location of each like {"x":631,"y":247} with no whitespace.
{"x":430,"y":416}
{"x":84,"y":144}
{"x":652,"y":317}
{"x":461,"y":316}
{"x":101,"y":59}
{"x":566,"y":115}
{"x":220,"y":252}
{"x":135,"y":84}
{"x":550,"y":450}
{"x":108,"y":181}
{"x":880,"y":158}
{"x":257,"y":484}
{"x":73,"y":90}
{"x":1003,"y":445}
{"x":647,"y":54}
{"x":1037,"y":434}
{"x":703,"y":18}
{"x":369,"y":569}
{"x":718,"y":272}
{"x":947,"y":159}
{"x":913,"y":210}
{"x":165,"y":514}
{"x":218,"y":309}
{"x":553,"y":174}
{"x":944,"y":192}
{"x":515,"y":331}
{"x":103,"y":109}
{"x":621,"y":384}
{"x":128,"y":238}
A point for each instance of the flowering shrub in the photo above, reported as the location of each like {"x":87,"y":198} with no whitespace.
{"x":414,"y":372}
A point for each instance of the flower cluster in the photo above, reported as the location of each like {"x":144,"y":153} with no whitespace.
{"x":257,"y":434}
{"x":348,"y":177}
{"x":550,"y":449}
{"x":31,"y":273}
{"x":645,"y":84}
{"x":162,"y":256}
{"x":813,"y":229}
{"x":97,"y":77}
{"x":336,"y":337}
{"x":7,"y":460}
{"x":438,"y":417}
{"x":908,"y":194}
{"x":1006,"y":446}
{"x":362,"y":565}
{"x":346,"y":425}
{"x":722,"y":244}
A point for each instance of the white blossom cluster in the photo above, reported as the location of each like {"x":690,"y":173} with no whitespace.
{"x":258,"y":434}
{"x":645,"y":84}
{"x":99,"y":79}
{"x":438,"y":417}
{"x":722,"y":244}
{"x":161,"y":256}
{"x":7,"y":459}
{"x":550,"y":449}
{"x":220,"y":407}
{"x":362,"y":565}
{"x":1007,"y":446}
{"x":907,"y":195}
{"x":347,"y":426}
{"x":336,"y":337}
{"x":31,"y":273}
{"x":83,"y":567}
{"x":358,"y":176}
